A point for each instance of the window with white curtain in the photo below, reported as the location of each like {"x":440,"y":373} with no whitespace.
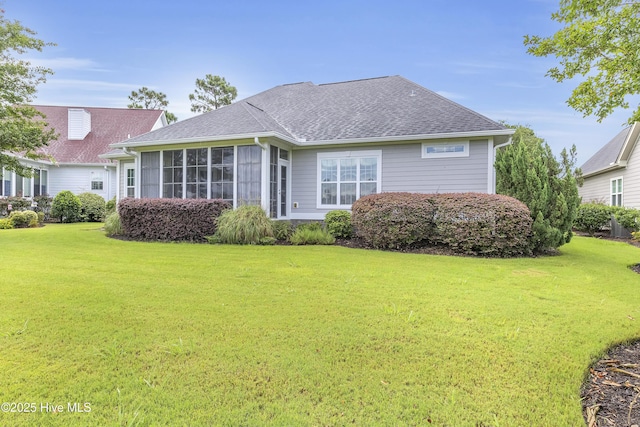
{"x":249,"y":175}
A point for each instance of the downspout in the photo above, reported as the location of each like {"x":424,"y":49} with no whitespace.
{"x":136,"y":155}
{"x":256,"y":141}
{"x":495,"y":152}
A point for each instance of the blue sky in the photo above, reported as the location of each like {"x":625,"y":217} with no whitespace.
{"x":467,"y":50}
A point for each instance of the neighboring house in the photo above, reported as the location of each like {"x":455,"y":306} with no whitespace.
{"x":83,"y":134}
{"x":612,"y":175}
{"x":302,"y":150}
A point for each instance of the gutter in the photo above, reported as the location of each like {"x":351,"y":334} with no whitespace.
{"x":305,"y":143}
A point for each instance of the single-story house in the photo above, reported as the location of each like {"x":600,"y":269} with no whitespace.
{"x":301,"y":150}
{"x":612,"y":175}
{"x":83,"y":134}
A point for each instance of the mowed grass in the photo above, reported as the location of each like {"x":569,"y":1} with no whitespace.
{"x":184,"y":334}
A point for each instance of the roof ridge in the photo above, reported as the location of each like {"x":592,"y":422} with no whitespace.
{"x":356,"y":80}
{"x":257,"y":119}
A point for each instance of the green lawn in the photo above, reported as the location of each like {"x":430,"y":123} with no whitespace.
{"x":184,"y":334}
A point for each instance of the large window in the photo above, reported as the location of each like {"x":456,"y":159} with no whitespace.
{"x":5,"y":180}
{"x":345,"y":177}
{"x":616,"y":192}
{"x":249,"y":174}
{"x":172,"y":173}
{"x":197,"y":160}
{"x":222,"y":173}
{"x":150,"y":171}
{"x":228,"y":173}
{"x":40,"y":179}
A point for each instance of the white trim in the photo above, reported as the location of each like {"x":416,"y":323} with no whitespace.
{"x":307,"y":216}
{"x":304,"y":143}
{"x":338,"y":155}
{"x":445,"y":154}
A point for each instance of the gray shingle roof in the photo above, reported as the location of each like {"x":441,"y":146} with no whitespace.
{"x":607,"y":155}
{"x":378,"y":107}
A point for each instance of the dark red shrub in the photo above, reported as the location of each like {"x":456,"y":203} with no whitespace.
{"x":483,"y":224}
{"x":170,"y":219}
{"x":393,"y":220}
{"x":468,"y":223}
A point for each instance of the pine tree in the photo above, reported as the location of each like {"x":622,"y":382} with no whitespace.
{"x":528,"y":171}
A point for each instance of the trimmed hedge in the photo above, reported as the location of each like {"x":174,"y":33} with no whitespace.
{"x":467,"y":223}
{"x":170,"y":219}
{"x":393,"y":220}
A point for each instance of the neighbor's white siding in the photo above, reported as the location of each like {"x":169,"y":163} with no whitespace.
{"x":598,"y":188}
{"x":77,"y":179}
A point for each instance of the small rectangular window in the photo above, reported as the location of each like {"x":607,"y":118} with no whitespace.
{"x":96,"y":182}
{"x":445,"y":149}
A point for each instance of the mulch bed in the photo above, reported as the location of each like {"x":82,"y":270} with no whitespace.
{"x":611,"y":397}
{"x":611,"y":394}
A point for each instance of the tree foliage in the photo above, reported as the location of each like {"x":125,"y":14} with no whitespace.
{"x":23,"y":130}
{"x":151,"y":100}
{"x":528,"y":171}
{"x":600,"y":41}
{"x":211,"y":93}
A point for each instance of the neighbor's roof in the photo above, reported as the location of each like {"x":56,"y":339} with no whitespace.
{"x":108,"y":125}
{"x":385,"y":107}
{"x":610,"y":155}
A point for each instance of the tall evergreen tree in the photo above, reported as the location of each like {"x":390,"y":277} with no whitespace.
{"x":528,"y":171}
{"x":151,"y":100}
{"x":211,"y":93}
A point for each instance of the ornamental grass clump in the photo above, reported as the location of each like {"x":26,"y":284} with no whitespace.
{"x":311,"y":234}
{"x":246,"y":225}
{"x":112,"y":225}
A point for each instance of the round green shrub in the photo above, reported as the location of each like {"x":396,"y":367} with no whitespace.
{"x":339,"y":224}
{"x":592,"y":217}
{"x":92,"y":207}
{"x":6,"y":224}
{"x":629,"y":218}
{"x":246,"y":225}
{"x":112,"y":224}
{"x":23,"y":219}
{"x":66,"y":207}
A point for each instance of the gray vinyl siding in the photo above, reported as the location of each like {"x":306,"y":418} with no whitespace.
{"x":403,"y":169}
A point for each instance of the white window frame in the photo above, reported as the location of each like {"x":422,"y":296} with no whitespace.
{"x":617,"y":193}
{"x":443,"y":147}
{"x":341,"y":155}
{"x":129,"y":167}
{"x":97,"y":177}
